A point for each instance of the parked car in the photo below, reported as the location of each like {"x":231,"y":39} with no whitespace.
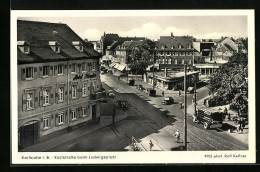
{"x":168,"y":100}
{"x":151,"y":92}
{"x":131,"y":82}
{"x":140,"y":87}
{"x":190,"y":90}
{"x":110,"y":93}
{"x":122,"y":104}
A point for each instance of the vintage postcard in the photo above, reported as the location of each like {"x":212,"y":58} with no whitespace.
{"x":132,"y":87}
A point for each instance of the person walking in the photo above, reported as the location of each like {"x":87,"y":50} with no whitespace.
{"x":225,"y":112}
{"x":163,"y":93}
{"x":180,"y":105}
{"x":151,"y":145}
{"x":177,"y":135}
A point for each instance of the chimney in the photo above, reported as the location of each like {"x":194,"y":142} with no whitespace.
{"x":172,"y":34}
{"x":165,"y":72}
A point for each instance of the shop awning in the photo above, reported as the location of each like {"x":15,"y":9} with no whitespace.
{"x":116,"y":65}
{"x":121,"y":67}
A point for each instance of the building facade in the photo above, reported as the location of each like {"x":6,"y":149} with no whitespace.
{"x":174,"y":51}
{"x":59,"y":85}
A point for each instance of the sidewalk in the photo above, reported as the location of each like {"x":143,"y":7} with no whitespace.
{"x":105,"y":121}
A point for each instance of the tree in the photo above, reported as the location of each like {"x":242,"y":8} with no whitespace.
{"x":141,"y":56}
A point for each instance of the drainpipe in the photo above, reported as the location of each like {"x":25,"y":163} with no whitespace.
{"x":68,"y":97}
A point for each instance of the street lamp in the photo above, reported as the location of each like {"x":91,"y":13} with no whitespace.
{"x":185,"y":108}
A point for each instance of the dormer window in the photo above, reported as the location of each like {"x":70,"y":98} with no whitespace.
{"x":179,"y":46}
{"x":78,"y":45}
{"x":163,"y":47}
{"x":55,"y":46}
{"x":23,"y":46}
{"x":189,"y":46}
{"x":172,"y":47}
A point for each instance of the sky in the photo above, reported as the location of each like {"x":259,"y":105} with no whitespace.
{"x":206,"y":27}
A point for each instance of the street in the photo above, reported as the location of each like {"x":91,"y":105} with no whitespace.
{"x":148,"y":119}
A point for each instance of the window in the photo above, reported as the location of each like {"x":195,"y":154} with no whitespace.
{"x":57,"y":49}
{"x":73,"y":114}
{"x":179,"y":46}
{"x":93,"y":66}
{"x":29,"y":72}
{"x":46,"y":122}
{"x":45,"y":70}
{"x":46,"y":97}
{"x":84,"y":89}
{"x":182,"y":53}
{"x":29,"y":100}
{"x":182,"y":61}
{"x":61,"y":94}
{"x":26,"y":49}
{"x":168,"y":53}
{"x":81,"y":48}
{"x":161,"y":53}
{"x":61,"y":118}
{"x":84,"y":111}
{"x":73,"y":68}
{"x":176,"y":61}
{"x":60,"y":69}
{"x":84,"y":67}
{"x":74,"y":91}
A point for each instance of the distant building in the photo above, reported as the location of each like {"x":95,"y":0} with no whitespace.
{"x":171,"y":80}
{"x":59,"y":85}
{"x":174,"y":51}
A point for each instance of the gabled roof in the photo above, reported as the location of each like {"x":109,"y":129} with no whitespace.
{"x":38,"y":35}
{"x":128,"y":45}
{"x":172,"y":42}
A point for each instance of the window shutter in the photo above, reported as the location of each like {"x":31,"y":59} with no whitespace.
{"x":65,"y":93}
{"x":41,"y":98}
{"x":51,"y":71}
{"x":23,"y":74}
{"x":56,"y":119}
{"x":83,"y":66}
{"x":80,"y":112}
{"x":70,"y":92}
{"x":52,"y":93}
{"x":56,"y":94}
{"x":55,"y":70}
{"x":24,"y":101}
{"x":80,"y":90}
{"x":65,"y":69}
{"x":36,"y":98}
{"x":40,"y":72}
{"x":35,"y":72}
{"x":66,"y":116}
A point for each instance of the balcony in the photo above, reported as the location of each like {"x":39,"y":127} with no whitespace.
{"x":98,"y":95}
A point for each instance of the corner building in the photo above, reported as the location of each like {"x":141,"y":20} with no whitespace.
{"x":59,"y":85}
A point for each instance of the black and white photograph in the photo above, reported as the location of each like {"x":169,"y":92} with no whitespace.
{"x":165,"y":86}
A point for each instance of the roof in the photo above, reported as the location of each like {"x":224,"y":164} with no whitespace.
{"x":172,"y":42}
{"x":40,"y":35}
{"x":128,"y":45}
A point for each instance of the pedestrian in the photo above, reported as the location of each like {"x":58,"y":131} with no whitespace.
{"x":163,"y":93}
{"x":229,"y":118}
{"x":180,"y":105}
{"x":179,"y":93}
{"x":177,"y":135}
{"x":205,"y":100}
{"x":151,"y":144}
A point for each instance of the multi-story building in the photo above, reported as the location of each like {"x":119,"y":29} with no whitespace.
{"x":174,"y":51}
{"x":59,"y":84}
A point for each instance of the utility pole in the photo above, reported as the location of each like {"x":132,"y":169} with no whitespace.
{"x":185,"y":108}
{"x":127,"y":68}
{"x":195,"y":98}
{"x":153,"y":72}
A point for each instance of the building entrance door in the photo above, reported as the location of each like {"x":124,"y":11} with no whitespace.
{"x":94,"y":107}
{"x":29,"y":133}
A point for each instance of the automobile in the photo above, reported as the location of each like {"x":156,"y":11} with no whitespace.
{"x":131,"y":82}
{"x":110,"y":93}
{"x":140,"y":87}
{"x":151,"y":92}
{"x":168,"y":100}
{"x":122,"y":104}
{"x":190,"y":90}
